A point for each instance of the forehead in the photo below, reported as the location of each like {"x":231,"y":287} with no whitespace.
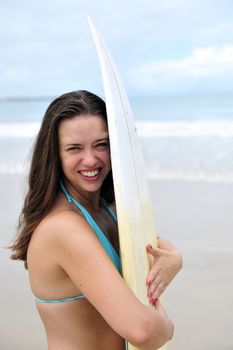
{"x":82,"y":127}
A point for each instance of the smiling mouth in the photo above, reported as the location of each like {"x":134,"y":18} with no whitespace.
{"x":90,"y":173}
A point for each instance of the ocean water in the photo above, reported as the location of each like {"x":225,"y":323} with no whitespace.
{"x":186,"y":138}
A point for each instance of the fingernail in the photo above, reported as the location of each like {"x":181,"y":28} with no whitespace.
{"x":148,"y":283}
{"x":150,"y":294}
{"x":155,"y":300}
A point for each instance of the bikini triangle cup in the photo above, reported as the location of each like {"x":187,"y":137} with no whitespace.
{"x":103,"y":239}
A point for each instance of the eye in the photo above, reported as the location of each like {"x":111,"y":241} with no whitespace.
{"x":74,"y":149}
{"x":102,"y":146}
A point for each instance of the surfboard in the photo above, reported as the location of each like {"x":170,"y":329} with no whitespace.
{"x":135,"y":212}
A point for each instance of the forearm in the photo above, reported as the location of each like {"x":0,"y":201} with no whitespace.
{"x":155,"y":329}
{"x":161,"y":329}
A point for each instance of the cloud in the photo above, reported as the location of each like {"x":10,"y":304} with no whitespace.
{"x":203,"y":64}
{"x":45,"y":45}
{"x":217,"y":34}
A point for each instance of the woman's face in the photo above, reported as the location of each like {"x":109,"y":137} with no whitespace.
{"x":84,"y":151}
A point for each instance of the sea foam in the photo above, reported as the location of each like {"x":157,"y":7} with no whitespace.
{"x":173,"y":150}
{"x":197,"y":128}
{"x":18,"y":130}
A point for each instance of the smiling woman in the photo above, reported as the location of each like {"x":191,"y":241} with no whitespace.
{"x":84,"y":151}
{"x":68,"y":238}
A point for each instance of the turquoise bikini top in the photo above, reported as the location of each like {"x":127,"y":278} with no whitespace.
{"x":103,"y":239}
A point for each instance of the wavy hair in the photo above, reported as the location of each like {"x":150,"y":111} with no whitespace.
{"x":45,"y":170}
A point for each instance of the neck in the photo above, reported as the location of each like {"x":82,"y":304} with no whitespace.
{"x":90,"y":200}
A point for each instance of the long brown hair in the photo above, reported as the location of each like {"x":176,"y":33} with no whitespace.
{"x":45,"y":170}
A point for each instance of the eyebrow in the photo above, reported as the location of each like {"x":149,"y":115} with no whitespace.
{"x":79,"y":144}
{"x":103,"y":139}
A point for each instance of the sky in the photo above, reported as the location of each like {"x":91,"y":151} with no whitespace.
{"x":159,"y":46}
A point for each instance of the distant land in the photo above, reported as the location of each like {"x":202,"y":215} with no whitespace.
{"x":25,"y":98}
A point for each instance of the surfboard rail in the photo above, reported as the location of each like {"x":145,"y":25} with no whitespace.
{"x":135,"y":212}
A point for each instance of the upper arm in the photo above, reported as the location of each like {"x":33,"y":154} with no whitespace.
{"x":82,"y":256}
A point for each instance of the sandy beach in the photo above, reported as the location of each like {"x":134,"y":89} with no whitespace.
{"x":195,"y":216}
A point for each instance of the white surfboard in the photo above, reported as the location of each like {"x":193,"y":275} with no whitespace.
{"x":134,"y":208}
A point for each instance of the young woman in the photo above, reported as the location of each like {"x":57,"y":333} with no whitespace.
{"x":68,"y":238}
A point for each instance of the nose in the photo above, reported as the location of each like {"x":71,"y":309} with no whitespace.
{"x":89,"y":159}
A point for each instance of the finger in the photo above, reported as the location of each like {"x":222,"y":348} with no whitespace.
{"x":152,"y":299}
{"x":151,"y":277}
{"x":156,"y":303}
{"x":157,"y":287}
{"x":152,"y":289}
{"x":159,"y":290}
{"x":155,"y":252}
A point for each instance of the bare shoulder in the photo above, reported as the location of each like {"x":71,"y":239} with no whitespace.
{"x":56,"y":226}
{"x":59,"y":235}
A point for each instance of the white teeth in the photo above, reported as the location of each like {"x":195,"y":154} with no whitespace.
{"x":90,"y":173}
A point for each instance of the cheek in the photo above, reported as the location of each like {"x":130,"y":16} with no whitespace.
{"x":106,"y":158}
{"x":68,"y":163}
